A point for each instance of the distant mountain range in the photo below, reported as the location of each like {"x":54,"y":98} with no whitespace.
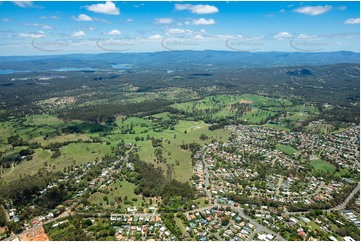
{"x":179,"y":60}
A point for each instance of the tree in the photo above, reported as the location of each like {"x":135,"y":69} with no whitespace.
{"x":225,"y":220}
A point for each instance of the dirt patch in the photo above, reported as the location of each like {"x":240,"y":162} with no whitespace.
{"x":2,"y":229}
{"x":245,"y":101}
{"x":34,"y":234}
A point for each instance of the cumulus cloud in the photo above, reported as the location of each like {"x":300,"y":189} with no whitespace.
{"x":26,"y":4}
{"x":114,"y":32}
{"x":155,"y":37}
{"x":43,"y":26}
{"x":308,"y":36}
{"x":197,"y":9}
{"x":106,"y":8}
{"x":313,"y":10}
{"x":39,"y":34}
{"x":179,"y":31}
{"x":352,"y":21}
{"x":78,"y":34}
{"x":49,"y":17}
{"x":163,"y":20}
{"x":282,"y":35}
{"x":201,"y":21}
{"x":83,"y":17}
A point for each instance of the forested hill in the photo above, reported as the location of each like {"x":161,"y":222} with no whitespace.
{"x":228,"y":59}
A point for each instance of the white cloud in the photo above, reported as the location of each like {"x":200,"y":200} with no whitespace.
{"x":203,"y":31}
{"x":352,"y":21}
{"x":163,"y":20}
{"x":313,"y":10}
{"x":49,"y":17}
{"x":43,"y":26}
{"x":26,"y":4}
{"x":201,"y":21}
{"x":282,"y":35}
{"x":5,"y":20}
{"x":282,"y":10}
{"x":308,"y":36}
{"x":129,"y":20}
{"x":83,"y":17}
{"x":114,"y":32}
{"x":155,"y":37}
{"x":39,"y":34}
{"x":106,"y":8}
{"x":92,"y":28}
{"x":179,"y":31}
{"x":78,"y":34}
{"x":197,"y":9}
{"x":138,"y":5}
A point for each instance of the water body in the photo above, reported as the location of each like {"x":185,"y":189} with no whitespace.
{"x":122,"y":66}
{"x":75,"y":69}
{"x":10,"y":71}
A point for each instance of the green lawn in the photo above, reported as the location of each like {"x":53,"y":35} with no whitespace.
{"x":44,"y":119}
{"x":76,"y":153}
{"x":118,"y":189}
{"x":286,"y":149}
{"x":172,"y":139}
{"x":323,"y":165}
{"x":179,"y":223}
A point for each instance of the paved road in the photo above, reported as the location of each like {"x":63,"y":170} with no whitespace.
{"x":342,"y":206}
{"x":206,"y":172}
{"x":280,"y":180}
{"x":259,"y":226}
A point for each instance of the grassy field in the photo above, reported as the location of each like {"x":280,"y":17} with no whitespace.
{"x":60,"y":138}
{"x":44,"y":119}
{"x":46,"y":129}
{"x":286,"y":149}
{"x":180,"y":224}
{"x":223,"y":102}
{"x":76,"y":153}
{"x":172,"y":139}
{"x":322,"y":165}
{"x":184,"y":132}
{"x":117,"y":189}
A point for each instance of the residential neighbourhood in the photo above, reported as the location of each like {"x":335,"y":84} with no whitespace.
{"x":277,"y":196}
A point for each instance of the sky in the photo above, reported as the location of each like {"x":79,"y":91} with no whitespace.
{"x":53,"y":28}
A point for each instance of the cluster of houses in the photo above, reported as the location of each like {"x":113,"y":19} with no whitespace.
{"x":306,"y":227}
{"x":352,"y":216}
{"x":145,"y":227}
{"x":226,"y":162}
{"x":207,"y":224}
{"x":341,"y":148}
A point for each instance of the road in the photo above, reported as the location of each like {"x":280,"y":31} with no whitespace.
{"x":342,"y":206}
{"x":259,"y":227}
{"x":30,"y":230}
{"x":208,"y":192}
{"x":279,"y":186}
{"x":12,"y":169}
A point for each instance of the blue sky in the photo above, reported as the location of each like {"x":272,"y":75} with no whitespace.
{"x":42,"y":28}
